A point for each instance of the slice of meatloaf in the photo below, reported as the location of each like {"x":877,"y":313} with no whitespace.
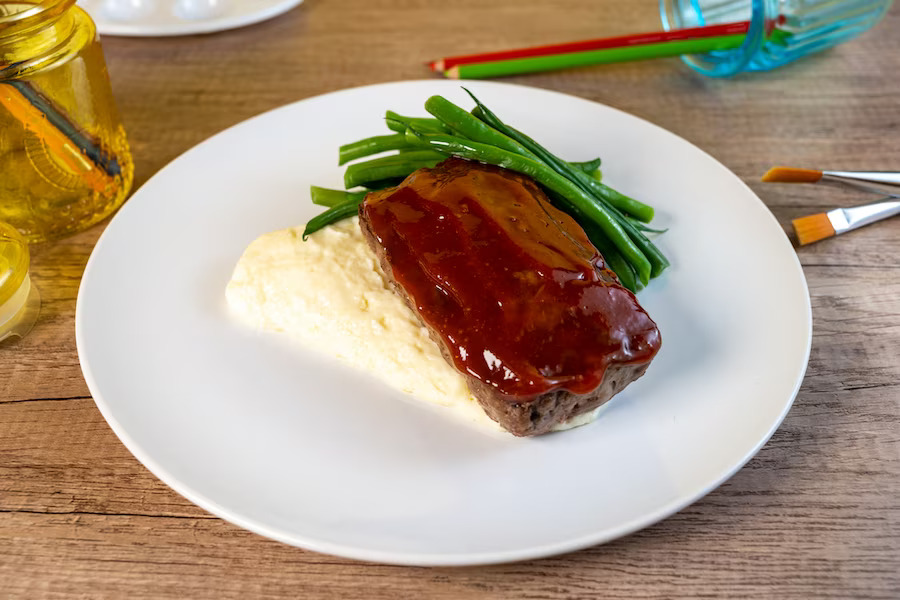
{"x":512,"y":290}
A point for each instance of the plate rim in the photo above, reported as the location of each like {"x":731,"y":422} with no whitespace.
{"x":414,"y":558}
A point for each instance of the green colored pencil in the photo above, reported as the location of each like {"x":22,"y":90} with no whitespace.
{"x":534,"y":64}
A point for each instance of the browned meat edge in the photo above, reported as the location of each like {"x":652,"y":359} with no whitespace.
{"x":538,"y":415}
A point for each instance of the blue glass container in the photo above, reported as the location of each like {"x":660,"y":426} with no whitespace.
{"x":780,"y":30}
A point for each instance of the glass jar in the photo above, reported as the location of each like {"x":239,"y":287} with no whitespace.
{"x":64,"y":160}
{"x":19,"y":299}
{"x":780,"y":30}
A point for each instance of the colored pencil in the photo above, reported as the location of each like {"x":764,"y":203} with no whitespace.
{"x":638,"y":39}
{"x":593,"y":57}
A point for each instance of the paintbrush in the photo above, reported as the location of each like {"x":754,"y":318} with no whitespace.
{"x":840,"y":220}
{"x":882,"y":182}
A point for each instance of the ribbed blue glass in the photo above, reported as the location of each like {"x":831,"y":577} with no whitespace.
{"x":803,"y":27}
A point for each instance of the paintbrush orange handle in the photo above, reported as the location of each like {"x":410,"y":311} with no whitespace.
{"x":880,"y":182}
{"x":57,"y":143}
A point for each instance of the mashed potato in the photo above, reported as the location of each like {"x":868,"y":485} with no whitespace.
{"x":329,"y":293}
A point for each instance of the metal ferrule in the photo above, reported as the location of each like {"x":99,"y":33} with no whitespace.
{"x":845,"y":219}
{"x":882,"y":182}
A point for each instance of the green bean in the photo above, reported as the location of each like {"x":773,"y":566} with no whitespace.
{"x":476,"y":130}
{"x":587,"y":184}
{"x":395,"y":126}
{"x":466,"y":125}
{"x":589,"y":166}
{"x":627,"y":204}
{"x":380,"y":184}
{"x":658,"y":261}
{"x":578,"y":201}
{"x":611,"y":255}
{"x":614,"y":260}
{"x":396,"y":165}
{"x":399,"y":123}
{"x":640,"y":226}
{"x":327,"y":197}
{"x":365,"y":175}
{"x":416,"y":152}
{"x":624,"y":203}
{"x":336,"y":213}
{"x":371,"y":145}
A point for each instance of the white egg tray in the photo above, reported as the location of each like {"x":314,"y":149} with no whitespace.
{"x":180,"y":17}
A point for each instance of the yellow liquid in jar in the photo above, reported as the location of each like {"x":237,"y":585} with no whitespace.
{"x":20,"y":301}
{"x":49,"y":186}
{"x":13,"y":262}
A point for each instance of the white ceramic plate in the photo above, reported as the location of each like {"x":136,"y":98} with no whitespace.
{"x":298,"y":448}
{"x":180,"y":17}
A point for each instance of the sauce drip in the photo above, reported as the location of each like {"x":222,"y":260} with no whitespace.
{"x":512,"y":285}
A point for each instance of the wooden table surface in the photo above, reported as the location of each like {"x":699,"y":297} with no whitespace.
{"x":815,"y":515}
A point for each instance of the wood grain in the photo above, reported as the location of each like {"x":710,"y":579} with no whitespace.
{"x":814,"y":515}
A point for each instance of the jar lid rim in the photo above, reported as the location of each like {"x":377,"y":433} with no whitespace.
{"x":38,"y":11}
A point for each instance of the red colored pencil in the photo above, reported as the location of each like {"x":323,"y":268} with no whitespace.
{"x":634,"y":39}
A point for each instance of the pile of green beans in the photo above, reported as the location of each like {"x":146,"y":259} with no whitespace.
{"x":614,"y":222}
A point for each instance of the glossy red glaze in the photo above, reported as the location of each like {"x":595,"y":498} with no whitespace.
{"x":511,"y":284}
